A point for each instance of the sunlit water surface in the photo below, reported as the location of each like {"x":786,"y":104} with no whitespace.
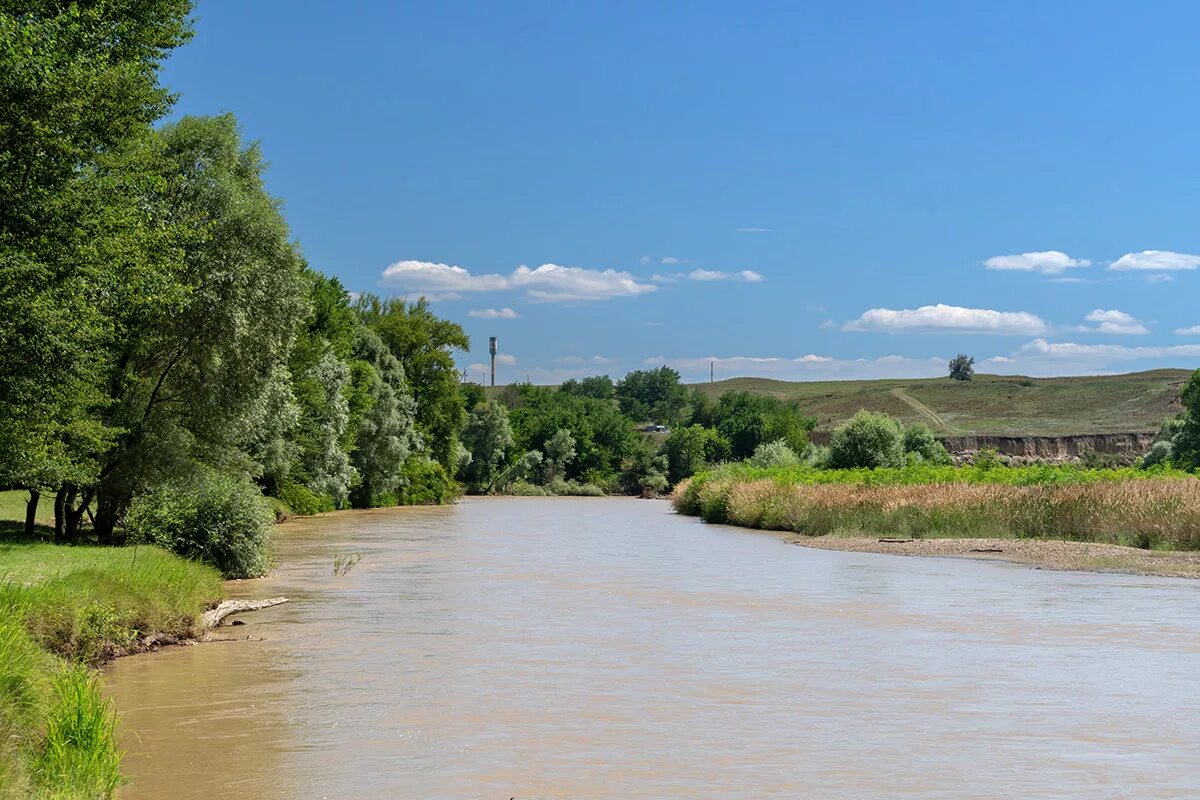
{"x":606,"y":648}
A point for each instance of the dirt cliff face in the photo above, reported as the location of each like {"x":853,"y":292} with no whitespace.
{"x":1053,"y":448}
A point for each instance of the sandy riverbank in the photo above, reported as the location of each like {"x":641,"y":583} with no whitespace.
{"x":1040,"y":553}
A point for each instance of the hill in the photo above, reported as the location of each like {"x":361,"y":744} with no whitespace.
{"x":993,"y":405}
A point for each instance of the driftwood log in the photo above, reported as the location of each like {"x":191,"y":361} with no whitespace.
{"x":213,"y":618}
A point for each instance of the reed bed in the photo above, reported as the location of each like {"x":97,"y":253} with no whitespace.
{"x":1160,"y":512}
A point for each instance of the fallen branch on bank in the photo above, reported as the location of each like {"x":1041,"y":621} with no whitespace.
{"x":213,"y":618}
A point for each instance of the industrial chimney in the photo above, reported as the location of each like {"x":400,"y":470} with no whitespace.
{"x":492,"y":350}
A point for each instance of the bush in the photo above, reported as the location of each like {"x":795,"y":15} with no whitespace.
{"x":773,"y":454}
{"x":869,"y":439}
{"x":919,"y":440}
{"x":303,"y":500}
{"x":1160,"y":454}
{"x":425,"y":482}
{"x":220,"y":519}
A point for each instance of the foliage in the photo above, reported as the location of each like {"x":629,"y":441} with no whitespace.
{"x":962,"y":367}
{"x":425,"y":345}
{"x":986,"y":459}
{"x":654,"y":395}
{"x":386,"y":430}
{"x":689,"y":449}
{"x":869,"y":439}
{"x":645,"y":472}
{"x":748,"y":420}
{"x":304,"y":501}
{"x":558,"y":452}
{"x":488,"y":437}
{"x":217,"y":518}
{"x":79,"y":755}
{"x":425,"y":481}
{"x":599,"y":387}
{"x":919,"y":440}
{"x":773,"y":454}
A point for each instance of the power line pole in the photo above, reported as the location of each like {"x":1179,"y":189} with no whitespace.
{"x":492,"y":350}
{"x":712,"y":371}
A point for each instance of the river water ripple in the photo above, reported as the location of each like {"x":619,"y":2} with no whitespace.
{"x":606,"y":648}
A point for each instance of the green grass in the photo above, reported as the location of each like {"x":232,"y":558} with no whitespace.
{"x":64,"y":610}
{"x":988,"y":405}
{"x":12,"y":507}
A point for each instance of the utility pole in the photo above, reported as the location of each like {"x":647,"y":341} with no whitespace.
{"x":492,"y":350}
{"x":712,"y":371}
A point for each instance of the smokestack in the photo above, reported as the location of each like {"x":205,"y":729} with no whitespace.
{"x":492,"y":349}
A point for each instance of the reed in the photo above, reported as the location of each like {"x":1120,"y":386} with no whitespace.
{"x":1159,"y":512}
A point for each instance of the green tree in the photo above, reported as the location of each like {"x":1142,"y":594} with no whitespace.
{"x":689,"y":449}
{"x":425,"y":345}
{"x":962,"y":367}
{"x":385,"y":433}
{"x":1185,"y":444}
{"x":748,"y":420}
{"x":558,"y":452}
{"x":919,"y":440}
{"x":488,"y":436}
{"x":597,"y":386}
{"x":654,"y":395}
{"x":869,"y":439}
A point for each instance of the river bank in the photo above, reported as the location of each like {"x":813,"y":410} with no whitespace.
{"x":65,"y":610}
{"x":1039,"y":553}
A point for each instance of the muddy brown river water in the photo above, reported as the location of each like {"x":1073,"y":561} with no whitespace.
{"x":606,"y":648}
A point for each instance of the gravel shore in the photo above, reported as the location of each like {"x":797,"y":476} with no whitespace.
{"x":1040,"y":553}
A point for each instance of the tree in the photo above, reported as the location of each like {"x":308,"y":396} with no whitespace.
{"x":424,"y":344}
{"x":774,"y":454}
{"x":558,"y":451}
{"x":386,"y":431}
{"x":748,"y":420}
{"x":597,"y":386}
{"x":689,"y":449}
{"x":1185,"y":443}
{"x":869,"y":439}
{"x":654,"y":395}
{"x":488,"y":436}
{"x":962,"y":367}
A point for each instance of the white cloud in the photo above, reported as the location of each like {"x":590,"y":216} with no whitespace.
{"x":747,"y":275}
{"x":1041,"y":357}
{"x":1157,"y":260}
{"x":810,"y":367}
{"x":671,"y":260}
{"x":1116,"y":322}
{"x":942,"y":317}
{"x":1192,"y":331}
{"x":659,"y":277}
{"x":645,"y":260}
{"x":506,"y":358}
{"x":1159,"y":277}
{"x":549,"y":282}
{"x":597,"y":360}
{"x":493,"y":313}
{"x":1048,"y":262}
{"x":753,"y":230}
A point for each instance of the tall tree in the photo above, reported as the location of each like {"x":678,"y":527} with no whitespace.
{"x":425,"y":345}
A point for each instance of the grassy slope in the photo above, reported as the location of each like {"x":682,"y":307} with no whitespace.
{"x":989,"y":404}
{"x":61,"y":610}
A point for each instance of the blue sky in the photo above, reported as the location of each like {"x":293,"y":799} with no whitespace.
{"x":799,"y":191}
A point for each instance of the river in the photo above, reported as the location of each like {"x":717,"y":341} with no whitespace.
{"x":606,"y":648}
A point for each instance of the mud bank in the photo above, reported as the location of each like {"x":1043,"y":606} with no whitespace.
{"x":1040,"y":553}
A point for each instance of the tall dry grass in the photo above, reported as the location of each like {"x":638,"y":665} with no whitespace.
{"x":1157,"y":513}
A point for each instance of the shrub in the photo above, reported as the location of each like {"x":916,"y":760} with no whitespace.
{"x":773,"y":454}
{"x":426,"y":482}
{"x":986,"y":459}
{"x":220,"y":519}
{"x":869,"y":439}
{"x":919,"y":440}
{"x":303,"y":500}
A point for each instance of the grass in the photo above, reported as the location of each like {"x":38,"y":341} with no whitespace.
{"x":12,"y":507}
{"x":1158,"y":511}
{"x":989,"y":405}
{"x":64,"y":610}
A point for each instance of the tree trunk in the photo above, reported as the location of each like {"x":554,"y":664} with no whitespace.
{"x":31,"y":511}
{"x":73,"y":515}
{"x":60,"y":515}
{"x":105,"y":521}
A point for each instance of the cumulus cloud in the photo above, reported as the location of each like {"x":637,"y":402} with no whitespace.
{"x":1156,"y":260}
{"x":1116,"y":322}
{"x":548,"y":283}
{"x":1194,"y":330}
{"x":493,"y":313}
{"x":943,"y":317}
{"x":810,"y":367}
{"x":1047,"y":262}
{"x":671,"y":260}
{"x":506,"y":358}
